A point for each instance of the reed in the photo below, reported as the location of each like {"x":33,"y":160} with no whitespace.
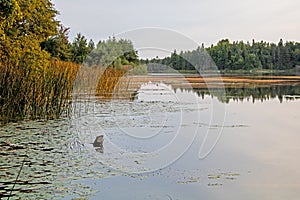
{"x":110,"y":82}
{"x":28,"y":93}
{"x":87,"y":80}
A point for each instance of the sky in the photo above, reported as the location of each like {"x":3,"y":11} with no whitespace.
{"x":203,"y":21}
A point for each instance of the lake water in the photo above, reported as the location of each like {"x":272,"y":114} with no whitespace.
{"x":165,"y":144}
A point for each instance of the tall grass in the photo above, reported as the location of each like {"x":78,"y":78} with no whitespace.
{"x":35,"y":93}
{"x":102,"y":83}
{"x":109,"y":80}
{"x":116,"y":83}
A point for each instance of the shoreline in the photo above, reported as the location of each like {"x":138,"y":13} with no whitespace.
{"x":216,"y":81}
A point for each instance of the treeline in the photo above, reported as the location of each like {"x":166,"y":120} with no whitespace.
{"x":107,"y":52}
{"x":253,"y":94}
{"x":235,"y":56}
{"x":113,"y":53}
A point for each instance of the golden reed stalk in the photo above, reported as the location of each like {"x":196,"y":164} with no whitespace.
{"x":36,"y":93}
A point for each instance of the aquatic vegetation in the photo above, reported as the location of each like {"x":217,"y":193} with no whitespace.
{"x":109,"y":81}
{"x":221,"y":176}
{"x":52,"y":159}
{"x":32,"y":93}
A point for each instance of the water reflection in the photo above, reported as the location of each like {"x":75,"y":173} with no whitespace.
{"x":256,"y":93}
{"x":224,"y":92}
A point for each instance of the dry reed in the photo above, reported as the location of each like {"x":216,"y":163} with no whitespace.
{"x":109,"y":82}
{"x":36,"y":93}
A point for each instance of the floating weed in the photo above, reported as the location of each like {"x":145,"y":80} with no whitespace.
{"x":231,"y":176}
{"x":189,"y":180}
{"x":222,"y":176}
{"x":215,"y":184}
{"x":215,"y":126}
{"x":214,"y":176}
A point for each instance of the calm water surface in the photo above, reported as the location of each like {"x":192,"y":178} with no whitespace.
{"x":166,"y":144}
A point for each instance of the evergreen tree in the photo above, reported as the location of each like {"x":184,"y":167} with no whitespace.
{"x":79,"y":49}
{"x":58,"y":45}
{"x":237,"y":56}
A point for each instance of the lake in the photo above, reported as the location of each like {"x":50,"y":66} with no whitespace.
{"x":167,"y":142}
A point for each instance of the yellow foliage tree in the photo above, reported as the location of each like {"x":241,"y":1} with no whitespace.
{"x":31,"y":86}
{"x":24,"y":25}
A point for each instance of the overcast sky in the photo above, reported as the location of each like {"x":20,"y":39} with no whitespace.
{"x":205,"y":21}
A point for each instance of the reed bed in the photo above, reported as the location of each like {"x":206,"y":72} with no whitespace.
{"x":87,"y":80}
{"x":110,"y":82}
{"x":48,"y":92}
{"x":103,"y":83}
{"x":27,"y":93}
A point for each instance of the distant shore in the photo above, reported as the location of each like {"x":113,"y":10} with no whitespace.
{"x":196,"y":81}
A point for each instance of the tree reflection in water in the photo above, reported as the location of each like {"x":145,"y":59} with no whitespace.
{"x":254,"y":93}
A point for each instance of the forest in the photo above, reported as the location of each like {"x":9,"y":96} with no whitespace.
{"x":237,"y":55}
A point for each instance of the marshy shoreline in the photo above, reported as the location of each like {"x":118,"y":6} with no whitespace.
{"x":227,"y":81}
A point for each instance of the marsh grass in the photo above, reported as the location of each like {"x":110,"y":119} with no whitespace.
{"x":48,"y":92}
{"x":103,"y":83}
{"x":43,"y":93}
{"x":110,"y":82}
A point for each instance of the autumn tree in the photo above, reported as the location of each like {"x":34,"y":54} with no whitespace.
{"x":24,"y":25}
